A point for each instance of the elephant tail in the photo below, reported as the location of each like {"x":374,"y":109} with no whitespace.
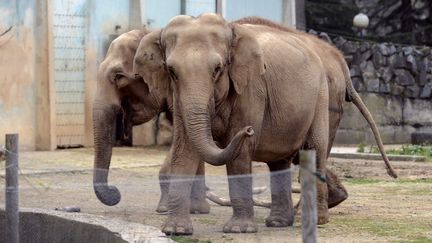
{"x":352,"y":95}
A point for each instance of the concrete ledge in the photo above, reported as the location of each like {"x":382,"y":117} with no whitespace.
{"x":421,"y":138}
{"x":37,"y":225}
{"x":368,"y":156}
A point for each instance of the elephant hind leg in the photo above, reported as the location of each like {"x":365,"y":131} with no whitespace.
{"x":318,"y":139}
{"x":199,"y":204}
{"x":282,"y":212}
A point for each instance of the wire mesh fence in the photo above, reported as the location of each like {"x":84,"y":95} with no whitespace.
{"x":61,"y":181}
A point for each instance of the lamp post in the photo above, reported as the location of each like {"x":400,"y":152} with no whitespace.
{"x":361,"y":21}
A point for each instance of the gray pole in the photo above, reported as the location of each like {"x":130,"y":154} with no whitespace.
{"x":300,"y":13}
{"x":12,"y":211}
{"x":135,"y":15}
{"x":308,"y":196}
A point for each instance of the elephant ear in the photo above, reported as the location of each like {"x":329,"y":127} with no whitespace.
{"x":150,"y":63}
{"x":247,"y":62}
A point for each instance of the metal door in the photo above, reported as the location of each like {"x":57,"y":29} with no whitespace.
{"x":159,"y":12}
{"x":270,"y":9}
{"x":69,"y":20}
{"x":197,"y":7}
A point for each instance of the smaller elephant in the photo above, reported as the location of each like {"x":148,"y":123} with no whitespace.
{"x":121,"y":92}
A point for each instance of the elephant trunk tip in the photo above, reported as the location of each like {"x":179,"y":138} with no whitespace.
{"x":108,"y":195}
{"x":249,"y":131}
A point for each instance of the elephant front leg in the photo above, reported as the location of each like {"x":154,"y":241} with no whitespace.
{"x":240,"y":189}
{"x":178,"y":221}
{"x":164,"y":185}
{"x":183,"y":171}
{"x":199,"y":204}
{"x":282,"y":211}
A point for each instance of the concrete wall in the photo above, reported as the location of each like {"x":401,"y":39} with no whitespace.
{"x":17,"y":72}
{"x":28,"y":91}
{"x":41,"y":226}
{"x":397,"y":118}
{"x":27,"y":95}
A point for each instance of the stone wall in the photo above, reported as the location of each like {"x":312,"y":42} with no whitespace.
{"x":395,"y":82}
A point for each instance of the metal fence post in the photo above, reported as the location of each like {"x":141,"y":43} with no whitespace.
{"x":308,"y":196}
{"x":12,"y":211}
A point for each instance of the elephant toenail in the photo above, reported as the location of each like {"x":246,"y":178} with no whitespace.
{"x":236,"y":229}
{"x":180,"y":230}
{"x":250,"y":229}
{"x":168,"y":230}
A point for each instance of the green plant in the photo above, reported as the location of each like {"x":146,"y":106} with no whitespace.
{"x":410,"y":149}
{"x":374,"y":149}
{"x":413,"y":150}
{"x":361,"y":147}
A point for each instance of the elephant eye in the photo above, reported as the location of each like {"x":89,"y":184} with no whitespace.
{"x":217,"y":71}
{"x":172,"y":73}
{"x":117,"y":77}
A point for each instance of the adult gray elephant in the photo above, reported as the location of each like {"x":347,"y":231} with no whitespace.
{"x":219,"y":90}
{"x":119,"y":91}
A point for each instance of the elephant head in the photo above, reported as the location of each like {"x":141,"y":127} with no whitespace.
{"x":202,"y":61}
{"x":117,"y":84}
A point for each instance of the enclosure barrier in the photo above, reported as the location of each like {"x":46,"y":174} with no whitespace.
{"x":13,"y":223}
{"x":12,"y":211}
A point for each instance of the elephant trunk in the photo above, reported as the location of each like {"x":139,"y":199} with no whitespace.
{"x":103,"y":122}
{"x":198,"y":129}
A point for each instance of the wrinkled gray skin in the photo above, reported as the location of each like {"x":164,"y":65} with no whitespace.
{"x":116,"y":83}
{"x":220,"y":89}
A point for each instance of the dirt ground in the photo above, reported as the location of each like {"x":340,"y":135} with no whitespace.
{"x":379,"y":208}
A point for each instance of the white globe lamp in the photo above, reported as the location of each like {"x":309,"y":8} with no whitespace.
{"x":361,"y":21}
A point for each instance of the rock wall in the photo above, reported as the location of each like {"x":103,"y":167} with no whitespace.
{"x":395,"y":82}
{"x":398,"y":21}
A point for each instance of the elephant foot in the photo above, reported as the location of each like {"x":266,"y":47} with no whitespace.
{"x":323,"y":217}
{"x":236,"y":225}
{"x":336,"y":199}
{"x":178,"y":226}
{"x":200,"y":207}
{"x":162,"y":209}
{"x":279,"y":220}
{"x":162,"y":206}
{"x":336,"y":195}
